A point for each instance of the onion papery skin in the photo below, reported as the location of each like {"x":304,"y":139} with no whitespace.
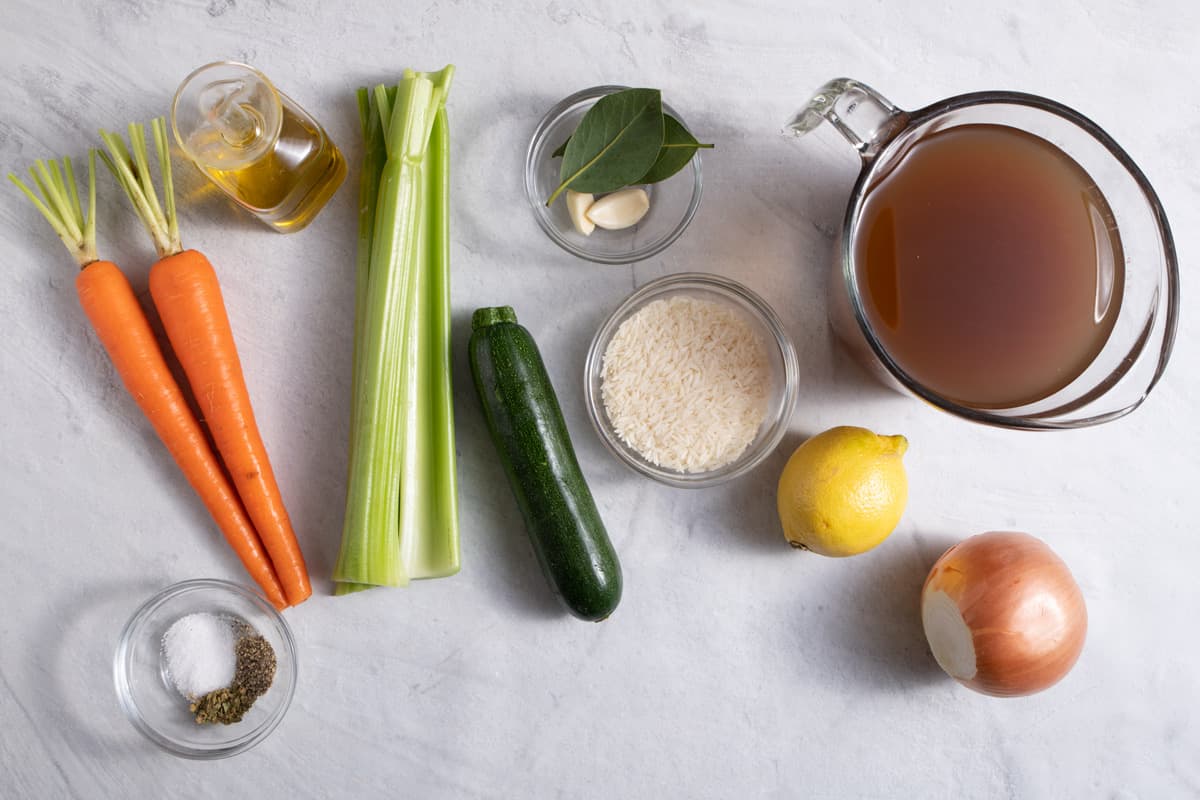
{"x":1025,"y":612}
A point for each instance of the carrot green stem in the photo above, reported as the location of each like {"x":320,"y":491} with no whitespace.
{"x":51,"y":216}
{"x":131,"y":167}
{"x":89,"y":231}
{"x":141,"y":162}
{"x":76,"y":207}
{"x":62,"y":196}
{"x":159,"y":126}
{"x":56,"y":193}
{"x":57,"y":198}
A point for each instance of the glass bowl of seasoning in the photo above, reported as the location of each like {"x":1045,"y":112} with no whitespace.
{"x":673,"y":202}
{"x":205,"y":669}
{"x":692,"y":380}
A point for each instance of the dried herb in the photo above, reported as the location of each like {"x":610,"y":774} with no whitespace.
{"x":618,"y":134}
{"x":616,"y":142}
{"x":252,"y":678}
{"x":224,"y":706}
{"x":677,"y":150}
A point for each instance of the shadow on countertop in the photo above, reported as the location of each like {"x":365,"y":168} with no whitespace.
{"x":75,"y":641}
{"x":753,"y":510}
{"x":880,"y":628}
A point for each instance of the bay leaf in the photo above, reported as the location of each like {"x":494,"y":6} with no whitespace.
{"x":677,"y":150}
{"x":616,"y":142}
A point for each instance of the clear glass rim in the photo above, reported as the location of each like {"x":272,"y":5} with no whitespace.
{"x":536,"y":204}
{"x":987,"y":417}
{"x":121,"y":671}
{"x":778,"y":426}
{"x":183,"y":84}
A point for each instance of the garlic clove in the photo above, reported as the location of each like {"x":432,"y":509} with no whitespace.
{"x":578,"y":204}
{"x":618,"y":210}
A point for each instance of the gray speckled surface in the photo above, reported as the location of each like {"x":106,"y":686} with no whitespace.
{"x":734,"y":667}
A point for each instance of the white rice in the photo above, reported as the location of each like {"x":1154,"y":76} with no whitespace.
{"x":685,"y":383}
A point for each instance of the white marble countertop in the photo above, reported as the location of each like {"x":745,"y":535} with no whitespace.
{"x":735,"y":667}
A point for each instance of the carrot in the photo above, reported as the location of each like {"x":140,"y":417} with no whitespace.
{"x":121,"y":325}
{"x":188,"y":297}
{"x":119,"y":322}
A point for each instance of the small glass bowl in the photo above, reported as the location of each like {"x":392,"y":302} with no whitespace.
{"x":149,"y":698}
{"x":783,"y":367}
{"x":673,"y":202}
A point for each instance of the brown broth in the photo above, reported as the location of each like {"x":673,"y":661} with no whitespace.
{"x":989,"y":265}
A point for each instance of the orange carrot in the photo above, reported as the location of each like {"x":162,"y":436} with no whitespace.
{"x":188,"y":298}
{"x":189,"y":302}
{"x":122,"y":327}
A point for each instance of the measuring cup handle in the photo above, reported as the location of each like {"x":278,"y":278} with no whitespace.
{"x":866,"y":118}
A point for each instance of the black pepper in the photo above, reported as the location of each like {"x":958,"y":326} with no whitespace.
{"x":253,"y":675}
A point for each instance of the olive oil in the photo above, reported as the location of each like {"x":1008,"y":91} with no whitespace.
{"x":990,"y":265}
{"x":288,"y":185}
{"x":257,"y":145}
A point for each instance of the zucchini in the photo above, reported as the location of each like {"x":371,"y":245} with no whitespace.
{"x":526,"y":425}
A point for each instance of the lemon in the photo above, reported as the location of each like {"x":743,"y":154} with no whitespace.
{"x":843,"y":491}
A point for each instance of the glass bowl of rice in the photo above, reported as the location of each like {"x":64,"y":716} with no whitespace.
{"x":692,"y":380}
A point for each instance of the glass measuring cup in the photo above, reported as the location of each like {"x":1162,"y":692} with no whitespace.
{"x":1132,"y":359}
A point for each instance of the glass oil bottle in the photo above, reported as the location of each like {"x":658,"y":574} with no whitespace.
{"x":256,"y":144}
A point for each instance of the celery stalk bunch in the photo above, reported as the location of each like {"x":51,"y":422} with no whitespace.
{"x":401,"y":518}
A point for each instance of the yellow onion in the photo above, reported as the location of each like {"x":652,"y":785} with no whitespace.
{"x":1003,"y":615}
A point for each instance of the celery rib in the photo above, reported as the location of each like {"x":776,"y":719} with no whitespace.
{"x":428,"y":510}
{"x":442,"y":557}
